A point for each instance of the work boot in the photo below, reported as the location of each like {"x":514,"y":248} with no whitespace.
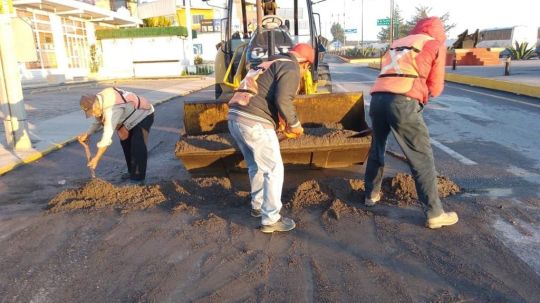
{"x":371,"y":201}
{"x":284,"y":224}
{"x":256,"y":213}
{"x":445,"y":219}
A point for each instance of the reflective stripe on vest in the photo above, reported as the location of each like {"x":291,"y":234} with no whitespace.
{"x":399,"y":60}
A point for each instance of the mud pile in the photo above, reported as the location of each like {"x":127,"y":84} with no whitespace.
{"x":335,"y":195}
{"x":325,"y":135}
{"x":401,"y":189}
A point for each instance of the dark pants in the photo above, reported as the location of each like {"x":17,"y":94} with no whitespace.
{"x":135,"y":150}
{"x":402,"y":116}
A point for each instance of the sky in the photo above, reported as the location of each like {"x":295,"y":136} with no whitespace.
{"x":466,"y":14}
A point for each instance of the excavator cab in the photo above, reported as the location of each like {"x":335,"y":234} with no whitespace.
{"x":254,"y":30}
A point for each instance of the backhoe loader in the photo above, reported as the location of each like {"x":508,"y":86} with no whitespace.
{"x":251,"y":33}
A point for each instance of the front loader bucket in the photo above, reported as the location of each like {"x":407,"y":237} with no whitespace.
{"x":337,"y":134}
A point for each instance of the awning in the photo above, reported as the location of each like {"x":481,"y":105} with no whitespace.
{"x":79,"y":9}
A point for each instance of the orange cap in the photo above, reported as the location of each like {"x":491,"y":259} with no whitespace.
{"x":305,"y":51}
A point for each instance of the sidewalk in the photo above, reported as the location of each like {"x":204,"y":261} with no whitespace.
{"x":55,"y":119}
{"x":524,"y":78}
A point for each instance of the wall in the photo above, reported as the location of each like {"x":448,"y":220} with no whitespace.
{"x":181,"y":16}
{"x":142,"y":57}
{"x":208,"y":43}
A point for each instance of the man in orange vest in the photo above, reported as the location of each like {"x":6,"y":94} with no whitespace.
{"x":411,"y":71}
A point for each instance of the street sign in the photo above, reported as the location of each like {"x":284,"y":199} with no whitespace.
{"x":350,"y":31}
{"x":382,"y":22}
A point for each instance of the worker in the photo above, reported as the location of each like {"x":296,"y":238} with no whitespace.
{"x":131,"y":116}
{"x":412,"y":70}
{"x":253,"y":121}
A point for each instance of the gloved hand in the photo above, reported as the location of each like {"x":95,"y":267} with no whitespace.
{"x":83,"y":137}
{"x":293,"y":132}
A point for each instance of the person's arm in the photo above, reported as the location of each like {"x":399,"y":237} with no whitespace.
{"x":432,"y":61}
{"x":111,"y":117}
{"x":287,"y":80}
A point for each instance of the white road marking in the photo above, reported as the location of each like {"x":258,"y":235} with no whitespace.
{"x":461,"y":158}
{"x":525,"y":174}
{"x":341,"y":87}
{"x":494,"y":96}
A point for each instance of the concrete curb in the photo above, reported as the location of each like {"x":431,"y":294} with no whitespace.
{"x":494,"y":84}
{"x":36,"y":155}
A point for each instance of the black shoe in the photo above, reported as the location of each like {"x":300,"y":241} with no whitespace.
{"x":135,"y":182}
{"x":256,"y":213}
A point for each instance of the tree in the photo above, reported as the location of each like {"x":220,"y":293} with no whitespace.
{"x":161,"y":21}
{"x":406,"y":27}
{"x":423,"y":12}
{"x":337,"y":32}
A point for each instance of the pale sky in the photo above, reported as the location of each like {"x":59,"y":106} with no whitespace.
{"x":466,"y":14}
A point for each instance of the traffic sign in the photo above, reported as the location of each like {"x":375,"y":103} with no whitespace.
{"x":382,"y":22}
{"x":350,"y":31}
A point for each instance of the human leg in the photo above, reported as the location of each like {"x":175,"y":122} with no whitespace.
{"x":139,"y":150}
{"x":375,"y":163}
{"x":412,"y":135}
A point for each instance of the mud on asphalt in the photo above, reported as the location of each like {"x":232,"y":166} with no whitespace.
{"x":194,"y":241}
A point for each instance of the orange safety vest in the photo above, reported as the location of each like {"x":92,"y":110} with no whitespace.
{"x":398,"y":65}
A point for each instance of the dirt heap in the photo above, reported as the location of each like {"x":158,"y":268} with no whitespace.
{"x":332,"y":194}
{"x":98,"y":193}
{"x":401,"y":189}
{"x":324,"y":135}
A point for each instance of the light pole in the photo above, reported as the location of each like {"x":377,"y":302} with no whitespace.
{"x":11,"y":96}
{"x":391,"y":21}
{"x":362,"y":24}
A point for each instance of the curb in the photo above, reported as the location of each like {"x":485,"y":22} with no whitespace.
{"x":494,"y":84}
{"x":36,"y":155}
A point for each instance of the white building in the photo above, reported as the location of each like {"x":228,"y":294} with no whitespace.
{"x":63,"y":32}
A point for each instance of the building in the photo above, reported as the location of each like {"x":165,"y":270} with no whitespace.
{"x":64,"y":35}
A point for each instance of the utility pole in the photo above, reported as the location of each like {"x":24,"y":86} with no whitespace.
{"x":189,"y":46}
{"x":11,"y":96}
{"x":391,"y":32}
{"x":362,"y":31}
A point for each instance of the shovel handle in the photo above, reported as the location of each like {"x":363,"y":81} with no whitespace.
{"x":88,"y":156}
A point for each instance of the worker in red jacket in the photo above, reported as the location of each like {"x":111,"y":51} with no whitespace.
{"x":412,"y":70}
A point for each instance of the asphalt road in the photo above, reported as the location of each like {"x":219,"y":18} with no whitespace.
{"x":487,"y":142}
{"x":484,"y":141}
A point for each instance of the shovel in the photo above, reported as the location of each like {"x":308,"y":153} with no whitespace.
{"x":88,"y":157}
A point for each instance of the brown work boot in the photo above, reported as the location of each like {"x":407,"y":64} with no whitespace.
{"x":445,"y":219}
{"x":371,"y":201}
{"x":284,"y":224}
{"x":256,"y":213}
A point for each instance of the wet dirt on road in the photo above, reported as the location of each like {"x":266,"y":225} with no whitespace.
{"x":194,"y":241}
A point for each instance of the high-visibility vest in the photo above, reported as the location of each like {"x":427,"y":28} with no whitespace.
{"x":398,"y":65}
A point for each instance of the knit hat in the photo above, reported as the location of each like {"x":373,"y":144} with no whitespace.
{"x":87,"y":104}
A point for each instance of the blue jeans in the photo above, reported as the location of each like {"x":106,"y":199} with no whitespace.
{"x":402,"y":116}
{"x":260,"y":148}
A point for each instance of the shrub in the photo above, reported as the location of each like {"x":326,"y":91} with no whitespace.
{"x":521,"y":51}
{"x":198,"y":60}
{"x":365,"y":52}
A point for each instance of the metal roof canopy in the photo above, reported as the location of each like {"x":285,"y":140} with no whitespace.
{"x":79,"y":9}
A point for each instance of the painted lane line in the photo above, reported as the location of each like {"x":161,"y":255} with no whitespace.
{"x":341,"y":87}
{"x":453,"y":153}
{"x":494,"y":96}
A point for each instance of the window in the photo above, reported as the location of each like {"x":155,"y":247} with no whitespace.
{"x":197,"y":19}
{"x":41,"y":26}
{"x":76,"y":43}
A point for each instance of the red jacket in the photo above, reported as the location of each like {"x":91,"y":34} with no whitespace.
{"x":423,"y":75}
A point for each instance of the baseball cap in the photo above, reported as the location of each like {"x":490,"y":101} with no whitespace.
{"x":305,"y":51}
{"x":87,"y":104}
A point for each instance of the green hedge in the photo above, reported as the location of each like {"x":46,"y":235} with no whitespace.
{"x":142,"y":32}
